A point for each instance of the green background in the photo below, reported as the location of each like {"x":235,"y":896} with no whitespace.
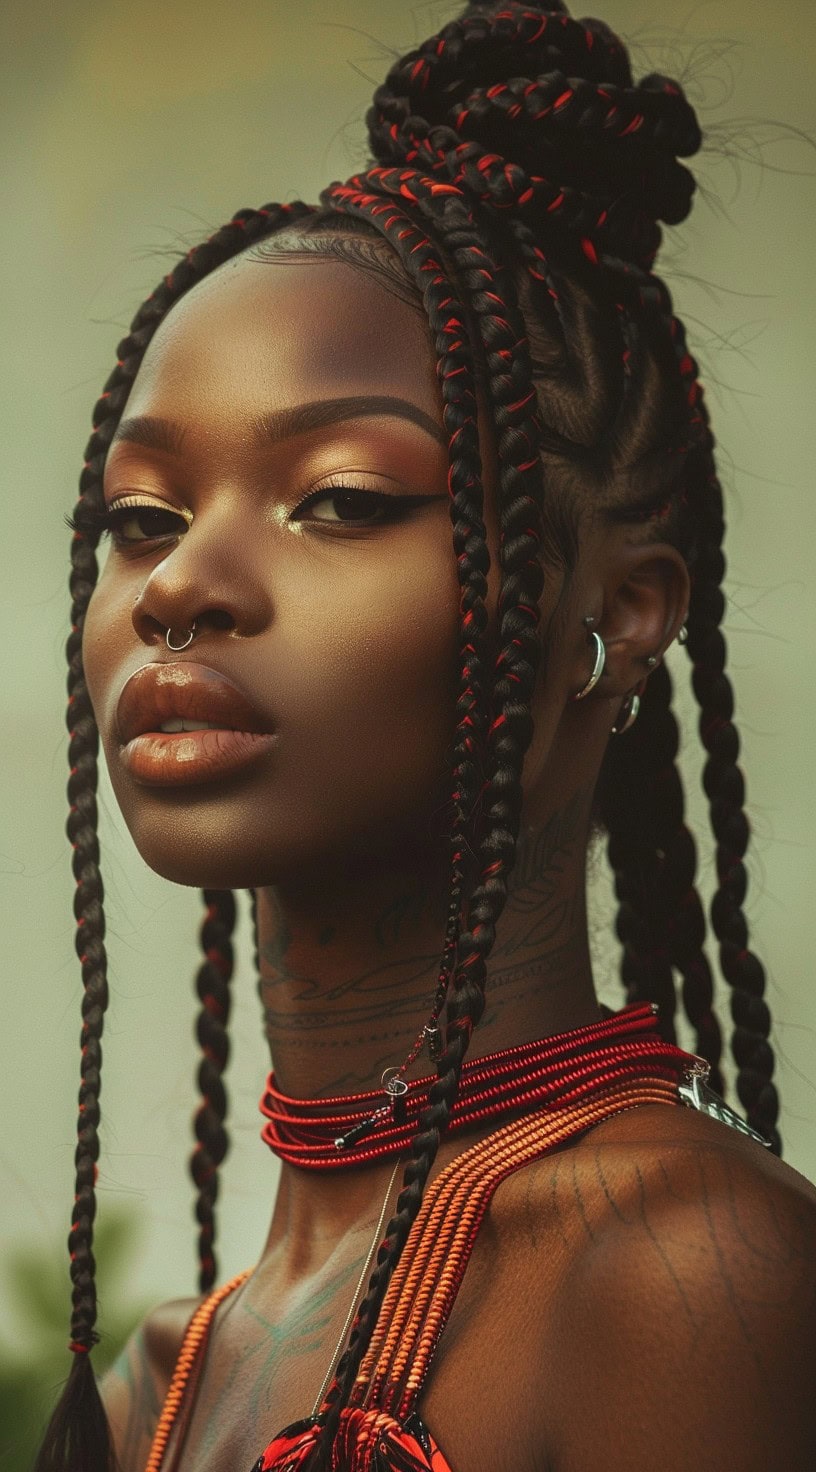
{"x":128,"y":133}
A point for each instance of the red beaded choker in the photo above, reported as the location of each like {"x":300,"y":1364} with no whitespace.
{"x":327,"y":1134}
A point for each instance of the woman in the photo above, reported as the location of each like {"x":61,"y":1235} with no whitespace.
{"x":402,"y":749}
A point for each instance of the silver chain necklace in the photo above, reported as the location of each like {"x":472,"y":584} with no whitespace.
{"x":367,"y":1264}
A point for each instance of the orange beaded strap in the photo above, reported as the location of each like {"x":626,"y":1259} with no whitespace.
{"x":427,"y":1278}
{"x":428,"y":1275}
{"x":191,"y":1349}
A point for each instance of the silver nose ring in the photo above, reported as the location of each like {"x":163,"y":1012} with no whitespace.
{"x":187,"y":642}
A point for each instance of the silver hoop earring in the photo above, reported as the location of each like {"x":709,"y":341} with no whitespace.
{"x":682,"y":634}
{"x":187,"y":642}
{"x":631,"y":706}
{"x":597,"y":668}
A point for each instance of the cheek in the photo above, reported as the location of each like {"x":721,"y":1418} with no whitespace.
{"x":360,"y":666}
{"x":369,"y":685}
{"x":107,"y":633}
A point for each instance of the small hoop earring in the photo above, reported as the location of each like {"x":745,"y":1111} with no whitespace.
{"x":187,"y":642}
{"x":597,"y":668}
{"x":631,"y":706}
{"x":682,"y":634}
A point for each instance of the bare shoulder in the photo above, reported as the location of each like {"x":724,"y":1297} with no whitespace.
{"x":134,"y":1388}
{"x":682,"y":1308}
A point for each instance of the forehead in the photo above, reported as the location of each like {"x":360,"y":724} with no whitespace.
{"x":264,"y":334}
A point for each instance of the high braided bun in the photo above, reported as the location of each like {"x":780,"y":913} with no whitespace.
{"x":524,"y":108}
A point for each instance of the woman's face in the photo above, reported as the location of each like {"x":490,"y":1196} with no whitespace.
{"x":334,"y":618}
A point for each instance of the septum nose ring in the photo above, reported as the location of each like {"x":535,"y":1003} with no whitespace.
{"x":186,"y":643}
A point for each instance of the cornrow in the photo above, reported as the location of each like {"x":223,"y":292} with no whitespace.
{"x":212,"y":986}
{"x":77,"y":1438}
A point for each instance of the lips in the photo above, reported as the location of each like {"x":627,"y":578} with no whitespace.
{"x":211,"y":729}
{"x":158,"y":693}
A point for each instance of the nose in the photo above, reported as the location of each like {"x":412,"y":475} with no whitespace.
{"x":203,"y":582}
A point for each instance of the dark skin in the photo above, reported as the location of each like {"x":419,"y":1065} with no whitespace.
{"x":649,"y":1291}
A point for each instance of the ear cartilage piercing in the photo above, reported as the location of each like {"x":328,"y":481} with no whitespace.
{"x":631,"y":707}
{"x":598,"y":667}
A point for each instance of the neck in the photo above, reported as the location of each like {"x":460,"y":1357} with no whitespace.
{"x":348,"y":967}
{"x":349,"y":962}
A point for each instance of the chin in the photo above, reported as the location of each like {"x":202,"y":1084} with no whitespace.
{"x":190,"y":837}
{"x":189,"y":844}
{"x":241,"y":835}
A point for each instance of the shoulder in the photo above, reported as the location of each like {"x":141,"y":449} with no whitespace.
{"x":683,"y":1310}
{"x":133,"y":1390}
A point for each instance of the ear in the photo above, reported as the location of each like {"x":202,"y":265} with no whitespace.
{"x":645,"y":601}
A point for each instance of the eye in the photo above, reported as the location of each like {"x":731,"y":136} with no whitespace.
{"x":129,"y":523}
{"x":356,"y":506}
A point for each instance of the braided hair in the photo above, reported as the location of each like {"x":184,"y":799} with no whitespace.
{"x":518,"y":174}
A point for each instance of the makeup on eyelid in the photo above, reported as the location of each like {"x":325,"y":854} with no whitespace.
{"x":111,"y":519}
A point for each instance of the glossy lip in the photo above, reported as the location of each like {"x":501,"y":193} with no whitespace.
{"x":157,"y":693}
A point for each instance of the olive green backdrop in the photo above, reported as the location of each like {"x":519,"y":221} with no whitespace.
{"x":131,"y":131}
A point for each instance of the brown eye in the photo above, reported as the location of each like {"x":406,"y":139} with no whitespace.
{"x":130,"y":525}
{"x":350,"y":505}
{"x":359,"y":507}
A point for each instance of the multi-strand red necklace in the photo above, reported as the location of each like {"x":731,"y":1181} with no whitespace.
{"x":335,"y":1133}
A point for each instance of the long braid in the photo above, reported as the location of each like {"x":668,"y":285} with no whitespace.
{"x":725,"y":788}
{"x":723,"y":780}
{"x":661,"y":921}
{"x":455,"y":370}
{"x":512,"y":398}
{"x":77,"y":1438}
{"x":80,"y":1406}
{"x":212,"y":987}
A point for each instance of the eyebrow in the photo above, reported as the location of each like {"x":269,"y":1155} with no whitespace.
{"x":281,"y":424}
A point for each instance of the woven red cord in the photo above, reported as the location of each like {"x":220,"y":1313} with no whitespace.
{"x":559,"y":1069}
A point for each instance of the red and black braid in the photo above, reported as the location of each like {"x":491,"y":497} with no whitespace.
{"x":77,"y":1438}
{"x":212,"y":986}
{"x":455,"y":368}
{"x":512,"y":399}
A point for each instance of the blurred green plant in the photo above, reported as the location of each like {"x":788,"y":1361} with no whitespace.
{"x":33,"y":1371}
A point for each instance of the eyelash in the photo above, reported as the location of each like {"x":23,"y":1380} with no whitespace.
{"x":107,"y":520}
